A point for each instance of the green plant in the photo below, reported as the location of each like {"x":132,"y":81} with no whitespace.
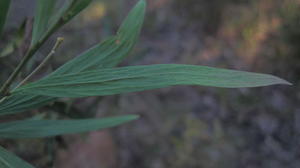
{"x":93,"y":73}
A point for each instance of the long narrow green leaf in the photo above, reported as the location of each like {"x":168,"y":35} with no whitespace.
{"x":9,"y":160}
{"x":47,"y":128}
{"x":44,"y":11}
{"x":113,"y":50}
{"x":104,"y":55}
{"x":18,"y":103}
{"x":4,"y":6}
{"x":138,"y":78}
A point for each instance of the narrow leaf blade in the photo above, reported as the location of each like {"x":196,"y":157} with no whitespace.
{"x":74,"y":8}
{"x":113,"y":50}
{"x":48,"y":19}
{"x":44,"y":11}
{"x":22,"y":102}
{"x":138,"y":78}
{"x":9,"y":160}
{"x":47,"y":128}
{"x":69,"y":10}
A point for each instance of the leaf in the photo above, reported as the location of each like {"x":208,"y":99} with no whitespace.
{"x":69,"y":10}
{"x":44,"y":11}
{"x":73,"y":8}
{"x":104,"y":55}
{"x":4,"y":6}
{"x":113,"y":50}
{"x":9,"y":160}
{"x":48,"y":18}
{"x":18,"y":103}
{"x":138,"y":78}
{"x":47,"y":128}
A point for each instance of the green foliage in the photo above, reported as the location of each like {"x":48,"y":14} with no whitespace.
{"x":113,"y":50}
{"x":18,"y":103}
{"x":139,"y":78}
{"x":47,"y":128}
{"x":104,"y":55}
{"x":15,"y":42}
{"x":93,"y":73}
{"x":9,"y":160}
{"x":44,"y":11}
{"x":4,"y":5}
{"x":48,"y":19}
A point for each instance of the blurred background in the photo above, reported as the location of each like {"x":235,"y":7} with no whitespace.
{"x":185,"y":126}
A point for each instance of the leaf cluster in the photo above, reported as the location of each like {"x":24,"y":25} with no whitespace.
{"x":94,"y":73}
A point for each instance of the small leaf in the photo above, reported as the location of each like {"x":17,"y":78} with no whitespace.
{"x":138,"y":78}
{"x":4,"y":6}
{"x":47,"y":128}
{"x":9,"y":160}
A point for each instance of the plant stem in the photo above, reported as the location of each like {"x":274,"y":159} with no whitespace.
{"x":12,"y":77}
{"x":4,"y":91}
{"x":44,"y":62}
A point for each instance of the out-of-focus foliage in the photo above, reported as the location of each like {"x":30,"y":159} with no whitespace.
{"x":4,"y":6}
{"x":9,"y":160}
{"x":49,"y":128}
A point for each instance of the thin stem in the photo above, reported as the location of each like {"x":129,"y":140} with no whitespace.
{"x":44,"y":62}
{"x":4,"y":91}
{"x":12,"y":77}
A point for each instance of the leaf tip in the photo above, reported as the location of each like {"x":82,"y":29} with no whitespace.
{"x":282,"y":81}
{"x":287,"y":82}
{"x":133,"y":117}
{"x":143,"y":2}
{"x":142,"y":5}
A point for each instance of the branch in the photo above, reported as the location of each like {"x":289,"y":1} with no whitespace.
{"x":4,"y":91}
{"x":44,"y":62}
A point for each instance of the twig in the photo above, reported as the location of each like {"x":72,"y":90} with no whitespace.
{"x":44,"y":62}
{"x":8,"y":82}
{"x":32,"y":50}
{"x":4,"y":91}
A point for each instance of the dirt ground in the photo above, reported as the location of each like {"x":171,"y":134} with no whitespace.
{"x":185,"y":126}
